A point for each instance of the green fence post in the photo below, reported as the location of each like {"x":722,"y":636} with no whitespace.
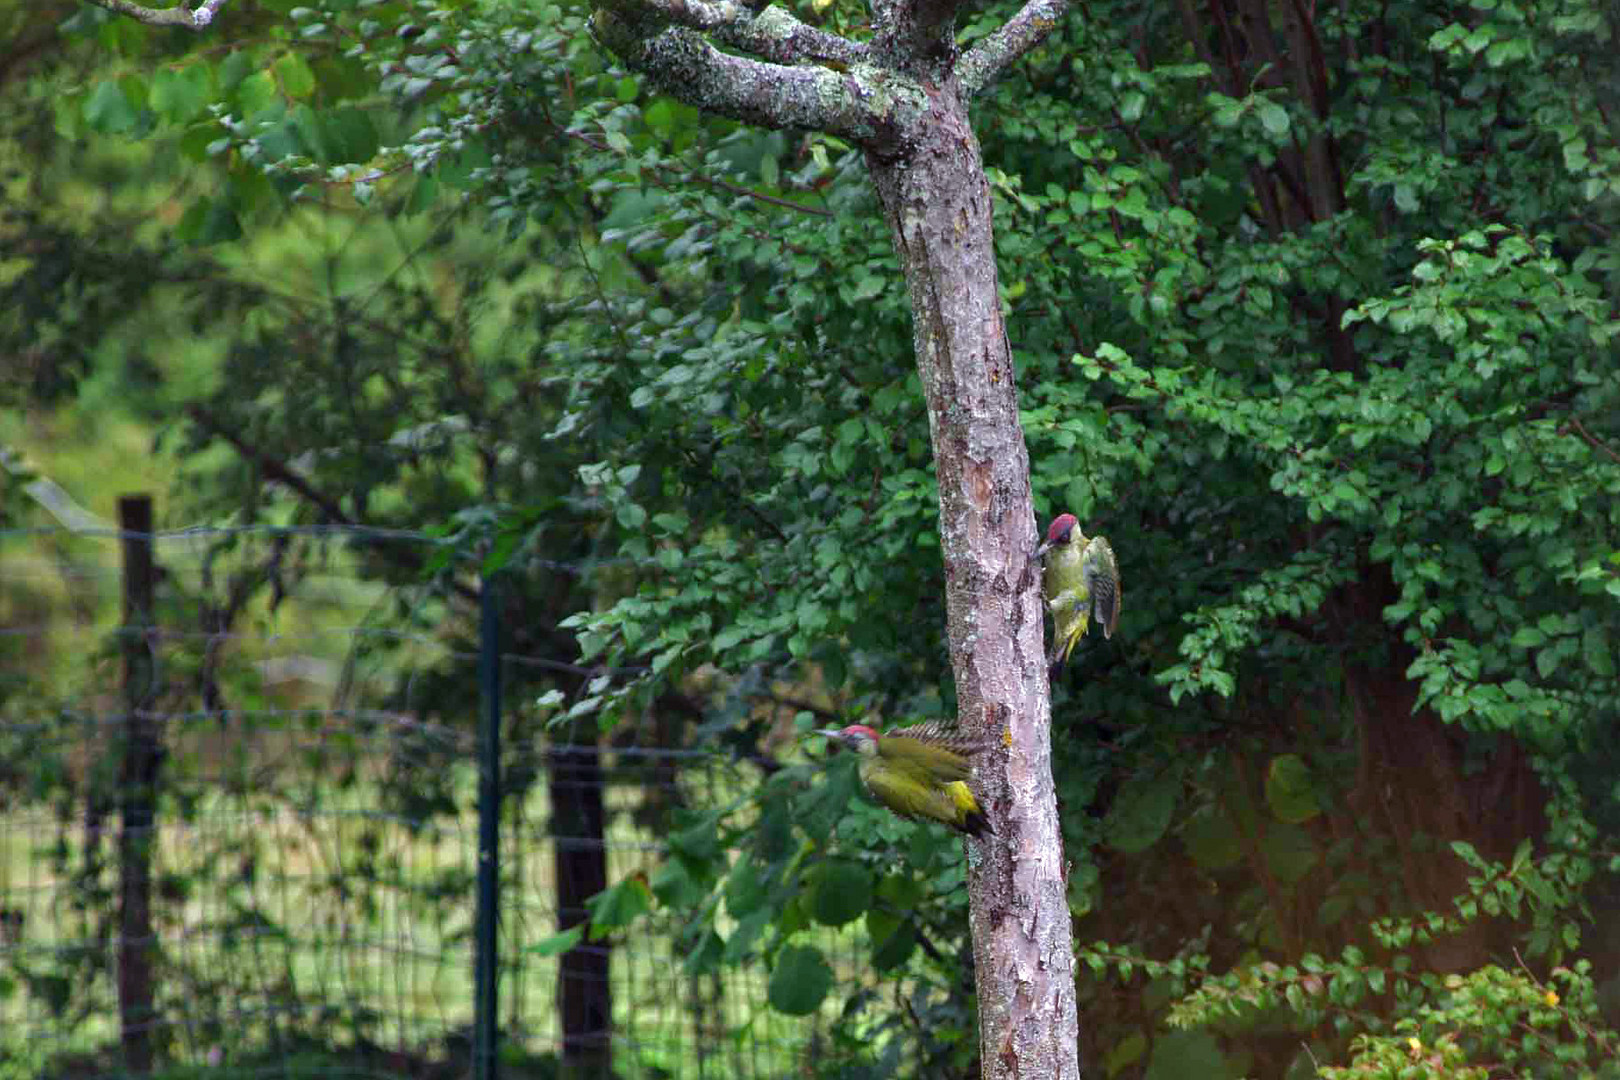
{"x":486,"y":968}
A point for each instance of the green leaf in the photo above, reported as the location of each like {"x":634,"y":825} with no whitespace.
{"x":1290,"y":790}
{"x":699,"y":841}
{"x":257,"y":93}
{"x":868,"y":285}
{"x":800,"y":981}
{"x":1527,"y":637}
{"x":1228,"y":111}
{"x":1125,"y":1053}
{"x":819,"y":809}
{"x":1142,"y":812}
{"x":706,"y":955}
{"x":842,"y":892}
{"x":631,"y":515}
{"x":558,"y":943}
{"x":294,"y":75}
{"x":348,"y":135}
{"x":1289,"y":851}
{"x":108,"y":110}
{"x":617,"y":906}
{"x":208,"y":221}
{"x":675,"y":886}
{"x":1598,"y":652}
{"x":1274,"y":118}
{"x":892,"y":951}
{"x":750,"y":928}
{"x":179,"y":95}
{"x":1179,"y":1055}
{"x":1211,"y":838}
{"x":1333,"y":909}
{"x":745,"y":889}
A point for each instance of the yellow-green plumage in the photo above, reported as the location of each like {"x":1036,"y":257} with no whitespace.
{"x":1082,"y":581}
{"x":920,"y":772}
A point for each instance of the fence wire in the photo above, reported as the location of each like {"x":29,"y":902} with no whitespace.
{"x":312,"y":852}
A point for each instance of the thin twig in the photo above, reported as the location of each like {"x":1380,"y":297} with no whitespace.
{"x":1592,"y":441}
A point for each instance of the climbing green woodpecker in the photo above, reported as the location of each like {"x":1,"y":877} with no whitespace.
{"x":1082,"y":581}
{"x":919,"y":772}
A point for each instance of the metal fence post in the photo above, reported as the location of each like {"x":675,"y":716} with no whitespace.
{"x":486,"y":969}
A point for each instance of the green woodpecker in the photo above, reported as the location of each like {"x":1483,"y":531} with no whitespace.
{"x":1082,"y":581}
{"x":919,"y":772}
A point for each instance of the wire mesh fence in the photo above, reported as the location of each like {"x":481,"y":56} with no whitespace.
{"x":239,"y":826}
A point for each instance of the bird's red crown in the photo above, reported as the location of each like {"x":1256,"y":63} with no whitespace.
{"x":860,"y":729}
{"x":1060,"y":525}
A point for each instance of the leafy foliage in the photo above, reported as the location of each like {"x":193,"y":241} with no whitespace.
{"x":1315,"y":321}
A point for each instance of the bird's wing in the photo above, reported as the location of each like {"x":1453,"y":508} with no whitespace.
{"x":947,"y":736}
{"x":1102,"y":581}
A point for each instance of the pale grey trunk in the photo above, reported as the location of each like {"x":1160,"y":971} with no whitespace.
{"x":938,"y":206}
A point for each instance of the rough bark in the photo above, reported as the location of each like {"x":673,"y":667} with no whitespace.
{"x":937,"y":203}
{"x":904,"y":101}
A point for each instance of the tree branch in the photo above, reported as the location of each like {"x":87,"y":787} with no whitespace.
{"x":271,"y":468}
{"x":774,"y":34}
{"x":191,"y":19}
{"x":1592,"y":440}
{"x":685,"y":66}
{"x":983,"y":64}
{"x":770,"y":34}
{"x":274,"y":469}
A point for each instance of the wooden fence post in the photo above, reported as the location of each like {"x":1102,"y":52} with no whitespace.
{"x":137,"y":792}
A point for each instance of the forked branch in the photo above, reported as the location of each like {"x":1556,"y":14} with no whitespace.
{"x":684,"y":65}
{"x":770,"y":33}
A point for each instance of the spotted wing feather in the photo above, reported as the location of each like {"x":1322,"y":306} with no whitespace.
{"x":1102,"y":582}
{"x":946,"y":736}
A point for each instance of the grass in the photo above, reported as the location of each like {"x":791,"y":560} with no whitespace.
{"x":270,"y":905}
{"x":290,"y":902}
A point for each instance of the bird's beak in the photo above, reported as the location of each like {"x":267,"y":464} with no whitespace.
{"x":831,"y":733}
{"x":1041,"y":549}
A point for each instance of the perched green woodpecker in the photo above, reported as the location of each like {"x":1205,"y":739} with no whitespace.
{"x":1082,"y":581}
{"x":919,"y":772}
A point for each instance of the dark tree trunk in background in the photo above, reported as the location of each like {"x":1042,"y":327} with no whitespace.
{"x":578,"y":828}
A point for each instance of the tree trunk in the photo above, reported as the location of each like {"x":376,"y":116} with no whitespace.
{"x":584,"y":995}
{"x":937,"y":203}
